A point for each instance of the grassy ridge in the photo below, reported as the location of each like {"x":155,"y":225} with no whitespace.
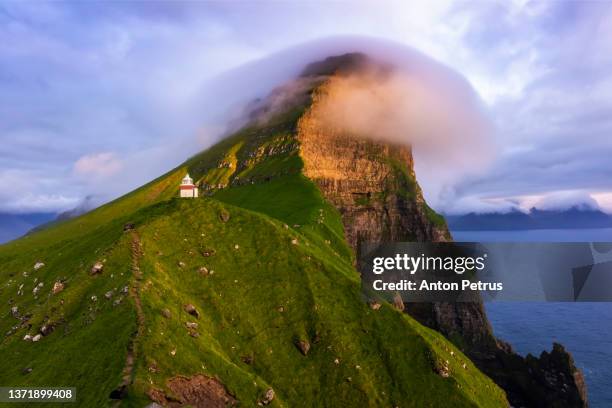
{"x":384,"y":355}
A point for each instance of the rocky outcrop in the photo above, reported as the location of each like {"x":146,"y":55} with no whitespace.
{"x":371,"y":183}
{"x":373,"y":186}
{"x":198,"y":391}
{"x":552,"y":380}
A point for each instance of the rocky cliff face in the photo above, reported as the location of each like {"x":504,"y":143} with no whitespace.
{"x":374,"y":187}
{"x":372,"y":184}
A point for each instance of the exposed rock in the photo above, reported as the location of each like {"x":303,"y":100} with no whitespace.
{"x":15,"y":312}
{"x":181,"y":264}
{"x":27,"y":337}
{"x":47,"y":329}
{"x":153,"y":367}
{"x":37,"y":337}
{"x":550,"y":380}
{"x":166,"y":313}
{"x":294,"y":241}
{"x":344,"y":166}
{"x":97,"y":268}
{"x":303,"y":346}
{"x":197,"y":391}
{"x":224,"y":215}
{"x":191,"y":325}
{"x":57,"y":287}
{"x":191,"y":309}
{"x":203,"y":271}
{"x":108,"y":295}
{"x":38,"y":265}
{"x":37,"y":288}
{"x":124,"y":290}
{"x":398,"y":303}
{"x":208,"y":252}
{"x":26,"y":370}
{"x":158,"y":396}
{"x":267,"y":398}
{"x":439,"y":366}
{"x":374,"y":305}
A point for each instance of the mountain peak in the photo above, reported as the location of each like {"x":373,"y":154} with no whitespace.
{"x":344,"y":64}
{"x":349,"y":62}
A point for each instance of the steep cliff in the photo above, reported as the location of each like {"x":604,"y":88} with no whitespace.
{"x":374,"y":187}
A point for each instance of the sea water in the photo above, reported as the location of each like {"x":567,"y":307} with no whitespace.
{"x":585,"y":329}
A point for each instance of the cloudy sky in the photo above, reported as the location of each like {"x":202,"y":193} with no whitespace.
{"x":98,"y":98}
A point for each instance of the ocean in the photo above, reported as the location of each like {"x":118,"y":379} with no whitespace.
{"x":585,"y":329}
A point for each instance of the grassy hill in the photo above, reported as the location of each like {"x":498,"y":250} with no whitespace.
{"x":274,"y":300}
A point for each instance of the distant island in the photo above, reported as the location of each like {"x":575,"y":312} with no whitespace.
{"x":577,"y":217}
{"x":15,"y":225}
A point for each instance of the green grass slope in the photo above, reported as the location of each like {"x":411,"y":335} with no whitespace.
{"x":279,"y":272}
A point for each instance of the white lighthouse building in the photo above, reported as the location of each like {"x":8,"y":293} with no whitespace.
{"x":187,"y":188}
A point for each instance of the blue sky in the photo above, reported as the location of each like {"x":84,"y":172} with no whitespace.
{"x":98,"y":98}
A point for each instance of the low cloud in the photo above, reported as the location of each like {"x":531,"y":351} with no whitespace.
{"x":551,"y":201}
{"x":564,"y":200}
{"x":98,"y":165}
{"x":469,"y":204}
{"x":30,"y":202}
{"x":20,"y":192}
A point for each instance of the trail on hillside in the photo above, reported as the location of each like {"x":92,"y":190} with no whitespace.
{"x":134,"y":293}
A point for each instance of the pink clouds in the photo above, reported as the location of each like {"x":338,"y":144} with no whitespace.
{"x":98,"y":165}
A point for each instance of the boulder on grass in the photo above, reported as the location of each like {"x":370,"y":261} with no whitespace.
{"x":303,"y":346}
{"x":191,"y":309}
{"x":57,"y":287}
{"x":97,"y":268}
{"x":267,"y":398}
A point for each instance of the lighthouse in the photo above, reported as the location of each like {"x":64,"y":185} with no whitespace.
{"x":187,"y":188}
